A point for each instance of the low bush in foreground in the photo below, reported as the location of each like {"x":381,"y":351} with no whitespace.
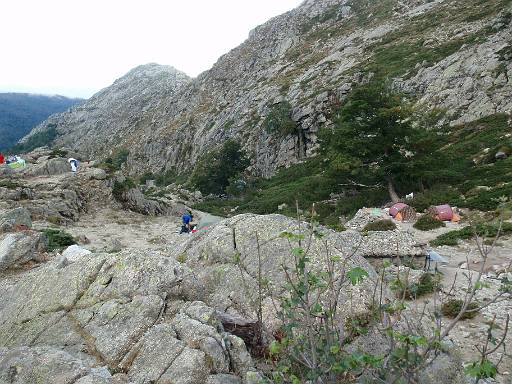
{"x":452,"y":308}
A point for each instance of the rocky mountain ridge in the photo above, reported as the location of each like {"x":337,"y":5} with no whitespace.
{"x":449,"y":55}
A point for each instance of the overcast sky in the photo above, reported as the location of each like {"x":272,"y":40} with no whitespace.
{"x":77,"y":47}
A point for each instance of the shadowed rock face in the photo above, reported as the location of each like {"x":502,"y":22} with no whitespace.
{"x":311,"y":57}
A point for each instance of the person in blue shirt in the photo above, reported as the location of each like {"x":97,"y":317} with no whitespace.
{"x":186,"y":219}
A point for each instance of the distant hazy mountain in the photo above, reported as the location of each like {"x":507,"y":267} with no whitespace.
{"x":20,"y":112}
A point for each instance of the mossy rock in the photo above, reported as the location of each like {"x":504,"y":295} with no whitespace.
{"x":427,"y":223}
{"x":380,"y":225}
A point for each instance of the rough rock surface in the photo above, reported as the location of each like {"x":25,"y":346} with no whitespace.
{"x":135,"y":200}
{"x":116,"y":313}
{"x":15,"y":218}
{"x":55,"y":166}
{"x":366,"y":216}
{"x":230,"y":287}
{"x":19,"y":248}
{"x":311,"y":57}
{"x":53,"y":196}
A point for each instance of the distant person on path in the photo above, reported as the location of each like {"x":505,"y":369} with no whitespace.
{"x":74,"y":165}
{"x":2,"y":158}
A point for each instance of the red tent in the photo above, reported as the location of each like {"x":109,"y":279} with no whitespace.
{"x":393,"y":211}
{"x":444,"y":212}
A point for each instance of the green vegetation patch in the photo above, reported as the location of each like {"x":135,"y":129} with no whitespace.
{"x":452,"y":308}
{"x":121,"y":187}
{"x":427,"y":223}
{"x":427,"y":283}
{"x":39,"y":139}
{"x":115,"y":162}
{"x":58,"y":239}
{"x":380,"y":225}
{"x":488,"y":230}
{"x":279,"y":120}
{"x":218,"y":168}
{"x":400,"y":50}
{"x":9,"y":184}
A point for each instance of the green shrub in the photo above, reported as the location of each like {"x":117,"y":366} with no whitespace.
{"x":114,"y":163}
{"x":489,"y":230}
{"x":427,"y":223}
{"x":58,"y":239}
{"x":56,"y":220}
{"x":279,"y":120}
{"x":437,"y":195}
{"x":380,"y":225}
{"x":451,"y":309}
{"x":58,"y":153}
{"x":427,"y":283}
{"x":9,"y":184}
{"x":215,"y":169}
{"x":121,"y":187}
{"x":146,"y":176}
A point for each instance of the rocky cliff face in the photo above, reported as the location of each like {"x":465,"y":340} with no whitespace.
{"x":449,"y":54}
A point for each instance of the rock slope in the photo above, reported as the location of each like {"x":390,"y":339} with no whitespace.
{"x":448,"y":54}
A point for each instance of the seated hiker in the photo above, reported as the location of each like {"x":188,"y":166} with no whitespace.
{"x":186,"y":219}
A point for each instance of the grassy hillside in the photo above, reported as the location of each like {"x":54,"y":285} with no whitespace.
{"x":20,"y":112}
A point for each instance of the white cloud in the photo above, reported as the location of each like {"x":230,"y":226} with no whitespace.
{"x":76,"y":47}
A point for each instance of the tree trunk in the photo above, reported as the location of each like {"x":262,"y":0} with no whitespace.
{"x":248,"y":330}
{"x":392,"y":193}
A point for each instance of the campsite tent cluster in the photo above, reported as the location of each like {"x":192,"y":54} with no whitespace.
{"x":12,"y":161}
{"x":404,"y":212}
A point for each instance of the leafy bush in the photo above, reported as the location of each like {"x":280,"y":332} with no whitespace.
{"x":57,"y":153}
{"x":427,"y":283}
{"x":380,"y":225}
{"x":216,"y":168}
{"x":115,"y":162}
{"x":121,"y":187}
{"x":437,"y":195}
{"x":58,"y":239}
{"x":427,"y":223}
{"x":452,"y":307}
{"x":279,"y":120}
{"x":489,"y":230}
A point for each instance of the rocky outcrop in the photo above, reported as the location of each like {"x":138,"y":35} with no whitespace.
{"x":225,"y":262}
{"x":473,"y":82}
{"x":121,"y":110}
{"x":309,"y":58}
{"x":19,"y":248}
{"x":18,"y":218}
{"x":135,"y":200}
{"x":49,"y":167}
{"x":116,"y":313}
